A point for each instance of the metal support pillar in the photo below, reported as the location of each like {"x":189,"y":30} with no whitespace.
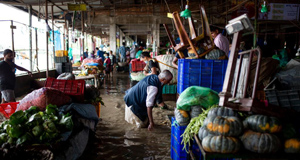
{"x":36,"y":47}
{"x":255,"y":23}
{"x":53,"y":43}
{"x":12,"y":36}
{"x":47,"y":34}
{"x":82,"y":30}
{"x":30,"y":36}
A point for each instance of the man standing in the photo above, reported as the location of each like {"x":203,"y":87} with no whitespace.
{"x":140,"y":99}
{"x":220,"y":41}
{"x":100,"y":53}
{"x":86,"y":54}
{"x":122,"y":52}
{"x":7,"y":76}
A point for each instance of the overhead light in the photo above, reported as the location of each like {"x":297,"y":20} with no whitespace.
{"x":238,"y":24}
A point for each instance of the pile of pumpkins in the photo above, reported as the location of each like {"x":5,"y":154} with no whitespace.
{"x":224,"y":132}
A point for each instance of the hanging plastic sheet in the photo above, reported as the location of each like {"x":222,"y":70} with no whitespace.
{"x":57,"y":40}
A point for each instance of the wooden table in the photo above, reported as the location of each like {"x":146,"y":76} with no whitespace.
{"x":244,"y":154}
{"x":91,"y":76}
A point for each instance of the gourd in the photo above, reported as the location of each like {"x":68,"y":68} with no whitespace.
{"x":221,"y":144}
{"x":292,"y":146}
{"x":260,"y":142}
{"x":222,"y":111}
{"x":182,"y":117}
{"x":195,"y":111}
{"x":264,"y":124}
{"x":226,"y":126}
{"x":203,"y":132}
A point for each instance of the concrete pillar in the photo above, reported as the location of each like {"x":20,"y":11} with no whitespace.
{"x":155,"y":34}
{"x":148,"y":43}
{"x":112,"y":37}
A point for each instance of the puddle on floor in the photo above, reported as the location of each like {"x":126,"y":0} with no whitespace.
{"x":116,"y":139}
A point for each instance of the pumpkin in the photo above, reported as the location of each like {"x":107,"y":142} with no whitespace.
{"x":221,"y":144}
{"x":264,"y":124}
{"x":226,"y":126}
{"x":203,"y":132}
{"x":182,"y":117}
{"x":222,"y":111}
{"x":195,"y":111}
{"x":289,"y":131}
{"x":292,"y":146}
{"x":260,"y":142}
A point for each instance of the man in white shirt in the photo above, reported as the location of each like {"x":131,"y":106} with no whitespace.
{"x":220,"y":41}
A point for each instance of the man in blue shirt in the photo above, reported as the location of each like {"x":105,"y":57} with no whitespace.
{"x":122,"y":52}
{"x":140,"y":99}
{"x":100,"y":53}
{"x":185,"y":53}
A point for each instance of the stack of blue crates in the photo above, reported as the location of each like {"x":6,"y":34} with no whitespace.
{"x":201,"y":72}
{"x":177,"y":152}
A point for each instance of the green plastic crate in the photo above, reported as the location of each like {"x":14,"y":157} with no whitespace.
{"x":170,"y":89}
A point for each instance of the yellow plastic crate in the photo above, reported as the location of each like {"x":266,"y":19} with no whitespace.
{"x":61,"y":53}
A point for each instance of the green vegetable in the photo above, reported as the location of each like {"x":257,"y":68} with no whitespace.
{"x":66,"y":122}
{"x":37,"y":130}
{"x":35,"y":119}
{"x":18,"y":117}
{"x":11,"y":140}
{"x":50,"y":117}
{"x":49,"y":126}
{"x":27,"y":137}
{"x":3,"y":138}
{"x":14,"y":131}
{"x":194,"y":127}
{"x":51,"y":109}
{"x":47,"y":137}
{"x":32,"y":110}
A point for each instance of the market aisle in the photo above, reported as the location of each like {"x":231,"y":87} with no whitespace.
{"x":116,"y":139}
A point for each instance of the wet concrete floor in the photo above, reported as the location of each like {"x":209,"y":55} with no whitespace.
{"x":116,"y":139}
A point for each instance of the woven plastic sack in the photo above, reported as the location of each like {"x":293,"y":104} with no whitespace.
{"x":197,"y":96}
{"x":92,"y":60}
{"x":215,"y":54}
{"x":195,"y":111}
{"x":182,"y":117}
{"x":66,"y":76}
{"x":167,"y":60}
{"x":137,"y":76}
{"x":42,"y":97}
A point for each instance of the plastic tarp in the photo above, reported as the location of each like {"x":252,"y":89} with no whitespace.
{"x":167,"y":59}
{"x":197,"y":96}
{"x":57,"y":40}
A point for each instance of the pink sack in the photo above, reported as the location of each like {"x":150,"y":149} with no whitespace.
{"x":42,"y":97}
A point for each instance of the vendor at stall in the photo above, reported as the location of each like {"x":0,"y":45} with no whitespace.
{"x":220,"y":41}
{"x":185,"y":53}
{"x":140,"y":99}
{"x":7,"y":76}
{"x":151,"y":65}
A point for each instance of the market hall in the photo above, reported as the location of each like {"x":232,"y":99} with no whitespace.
{"x":150,"y":80}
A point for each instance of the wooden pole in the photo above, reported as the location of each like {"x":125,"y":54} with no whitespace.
{"x":36,"y":47}
{"x":255,"y":23}
{"x":47,"y":51}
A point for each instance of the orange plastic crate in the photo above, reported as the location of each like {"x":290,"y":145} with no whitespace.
{"x":7,"y":109}
{"x":73,"y":88}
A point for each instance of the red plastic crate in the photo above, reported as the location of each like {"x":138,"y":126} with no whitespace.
{"x":73,"y":88}
{"x":137,"y":65}
{"x":7,"y":109}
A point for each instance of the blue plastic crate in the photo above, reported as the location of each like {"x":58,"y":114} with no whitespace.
{"x":169,"y":89}
{"x":177,"y":130}
{"x":175,"y":156}
{"x":176,"y":146}
{"x":201,"y":72}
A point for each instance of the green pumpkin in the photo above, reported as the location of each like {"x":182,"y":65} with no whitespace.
{"x":222,"y":111}
{"x":260,"y":142}
{"x":203,"y":132}
{"x":221,"y":144}
{"x":264,"y":124}
{"x":226,"y":126}
{"x":292,"y":145}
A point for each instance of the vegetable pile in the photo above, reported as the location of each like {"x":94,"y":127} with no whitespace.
{"x":33,"y":126}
